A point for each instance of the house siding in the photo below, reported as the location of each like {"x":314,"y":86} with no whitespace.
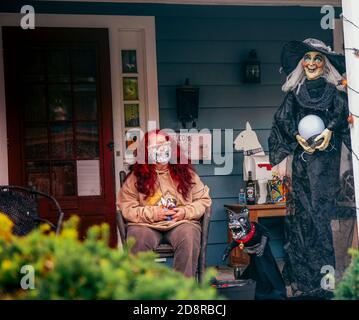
{"x":209,"y":50}
{"x":207,"y":44}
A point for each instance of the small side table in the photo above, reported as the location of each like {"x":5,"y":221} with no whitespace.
{"x":237,"y":256}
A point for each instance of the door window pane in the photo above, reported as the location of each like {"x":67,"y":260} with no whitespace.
{"x":35,"y":103}
{"x":33,"y":64}
{"x":84,"y":65}
{"x":63,"y":178}
{"x":61,"y":118}
{"x":129,"y":61}
{"x":85,"y":102}
{"x":38,"y":176}
{"x":58,"y":66}
{"x":87,"y":141}
{"x":60,"y":103}
{"x":36,"y":143}
{"x":61,"y":141}
{"x":130,"y":88}
{"x":132,"y":115}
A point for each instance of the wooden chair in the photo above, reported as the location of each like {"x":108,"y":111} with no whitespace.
{"x":165,"y":250}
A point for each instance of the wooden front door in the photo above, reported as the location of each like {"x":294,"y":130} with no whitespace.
{"x":59,"y":119}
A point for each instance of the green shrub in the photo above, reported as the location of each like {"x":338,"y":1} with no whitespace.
{"x":348,"y":288}
{"x":66,"y":268}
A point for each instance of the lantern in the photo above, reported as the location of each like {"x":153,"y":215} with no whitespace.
{"x":252,"y":68}
{"x":187,"y":103}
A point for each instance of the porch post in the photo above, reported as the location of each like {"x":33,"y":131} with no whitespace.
{"x":351,"y":40}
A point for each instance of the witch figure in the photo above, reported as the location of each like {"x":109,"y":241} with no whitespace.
{"x":253,"y":238}
{"x":314,"y":88}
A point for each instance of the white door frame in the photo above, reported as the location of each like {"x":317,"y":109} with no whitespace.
{"x":338,"y":40}
{"x":145,"y":28}
{"x":351,"y":40}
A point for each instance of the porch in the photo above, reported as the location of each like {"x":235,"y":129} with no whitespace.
{"x":207,"y":44}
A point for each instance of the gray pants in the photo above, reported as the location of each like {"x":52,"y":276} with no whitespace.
{"x":184,"y":238}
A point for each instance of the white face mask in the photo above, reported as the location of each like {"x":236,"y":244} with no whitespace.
{"x":160,"y":153}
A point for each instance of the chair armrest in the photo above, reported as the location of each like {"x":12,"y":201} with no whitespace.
{"x":121,"y":226}
{"x":205,"y":222}
{"x":60,"y":213}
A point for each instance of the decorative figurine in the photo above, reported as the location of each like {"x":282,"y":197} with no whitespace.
{"x":252,"y":238}
{"x":314,"y":87}
{"x":168,"y":204}
{"x":255,"y":160}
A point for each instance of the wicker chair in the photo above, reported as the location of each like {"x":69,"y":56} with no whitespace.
{"x":20,"y":205}
{"x":165,"y":250}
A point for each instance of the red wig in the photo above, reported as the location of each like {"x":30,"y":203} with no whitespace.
{"x":181,"y":171}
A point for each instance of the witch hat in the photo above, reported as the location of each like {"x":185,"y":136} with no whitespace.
{"x":293,"y":52}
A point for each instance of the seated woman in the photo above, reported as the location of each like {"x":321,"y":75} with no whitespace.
{"x":163,"y":200}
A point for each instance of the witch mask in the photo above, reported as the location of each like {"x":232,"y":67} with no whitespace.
{"x":313,"y":64}
{"x":239,"y":223}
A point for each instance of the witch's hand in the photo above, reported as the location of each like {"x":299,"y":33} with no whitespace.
{"x":260,"y":249}
{"x":326,"y":135}
{"x":250,"y":250}
{"x":304,"y":144}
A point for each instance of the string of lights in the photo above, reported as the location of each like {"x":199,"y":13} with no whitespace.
{"x":349,"y":21}
{"x":344,"y":82}
{"x":355,"y":50}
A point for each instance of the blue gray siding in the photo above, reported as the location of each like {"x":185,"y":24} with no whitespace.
{"x":208,"y":49}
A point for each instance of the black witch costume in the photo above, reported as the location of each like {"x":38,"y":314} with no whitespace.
{"x":253,"y":238}
{"x":315,"y":176}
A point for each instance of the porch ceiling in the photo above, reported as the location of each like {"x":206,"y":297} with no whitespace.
{"x":336,"y":3}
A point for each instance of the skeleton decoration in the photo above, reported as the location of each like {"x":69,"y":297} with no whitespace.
{"x":314,"y":88}
{"x":252,"y":238}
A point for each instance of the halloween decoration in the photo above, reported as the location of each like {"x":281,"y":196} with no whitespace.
{"x":310,"y":127}
{"x":277,"y":189}
{"x":314,"y":90}
{"x":255,"y":160}
{"x":168,"y":204}
{"x":252,"y":238}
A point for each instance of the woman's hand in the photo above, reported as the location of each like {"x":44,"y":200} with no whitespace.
{"x":304,"y":144}
{"x":179,"y":215}
{"x":326,"y":135}
{"x":163,"y":213}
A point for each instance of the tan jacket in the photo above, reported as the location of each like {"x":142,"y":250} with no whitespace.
{"x":136,"y":210}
